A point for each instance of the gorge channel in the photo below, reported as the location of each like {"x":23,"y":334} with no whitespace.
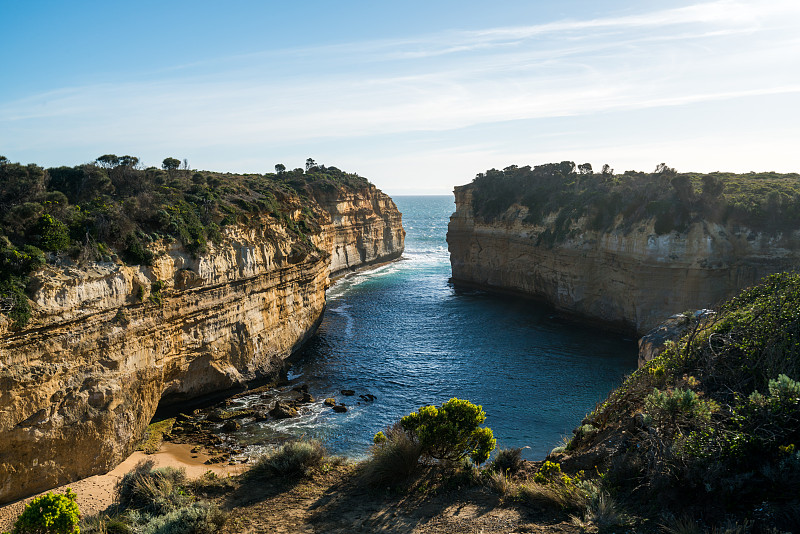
{"x":403,"y":333}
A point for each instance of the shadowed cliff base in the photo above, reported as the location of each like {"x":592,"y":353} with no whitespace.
{"x":559,"y":315}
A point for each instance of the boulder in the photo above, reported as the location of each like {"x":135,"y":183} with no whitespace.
{"x":231,"y":426}
{"x":216,"y":416}
{"x":348,"y":392}
{"x":340,"y":408}
{"x":330,"y":401}
{"x":283,"y":410}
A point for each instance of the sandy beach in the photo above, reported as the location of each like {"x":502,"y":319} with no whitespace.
{"x":96,"y":493}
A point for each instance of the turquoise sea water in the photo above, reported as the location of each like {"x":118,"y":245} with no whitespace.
{"x":403,"y":333}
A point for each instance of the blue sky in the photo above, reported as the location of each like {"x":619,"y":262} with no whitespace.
{"x":417,"y":96}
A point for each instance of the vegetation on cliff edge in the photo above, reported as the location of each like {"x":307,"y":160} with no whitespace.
{"x":711,"y":426}
{"x":114,"y":210}
{"x":766,"y":202}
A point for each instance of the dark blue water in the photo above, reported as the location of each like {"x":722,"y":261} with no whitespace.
{"x":402,"y":333}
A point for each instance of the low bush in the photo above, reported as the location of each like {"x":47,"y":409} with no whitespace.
{"x":507,"y":461}
{"x":106,"y":524}
{"x":196,"y":518}
{"x":154,"y":491}
{"x":451,"y":432}
{"x":393,"y":457}
{"x":678,"y":406}
{"x":159,"y":501}
{"x":50,"y":514}
{"x":290,"y":459}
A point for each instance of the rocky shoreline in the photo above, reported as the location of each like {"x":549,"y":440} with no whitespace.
{"x":212,"y":430}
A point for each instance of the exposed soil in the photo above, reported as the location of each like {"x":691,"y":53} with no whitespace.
{"x":336,"y":502}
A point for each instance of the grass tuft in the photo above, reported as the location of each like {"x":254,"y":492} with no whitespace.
{"x":293,"y":458}
{"x":155,"y":491}
{"x":393,"y":459}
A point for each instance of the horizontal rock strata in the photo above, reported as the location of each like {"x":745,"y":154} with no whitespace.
{"x":631,"y":281}
{"x":109,"y":342}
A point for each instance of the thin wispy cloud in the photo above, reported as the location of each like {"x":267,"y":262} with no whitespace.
{"x":452,"y":80}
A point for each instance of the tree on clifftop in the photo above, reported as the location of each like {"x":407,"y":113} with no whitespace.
{"x":107,"y":161}
{"x":170,"y":164}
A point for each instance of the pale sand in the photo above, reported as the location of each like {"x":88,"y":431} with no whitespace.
{"x":96,"y":493}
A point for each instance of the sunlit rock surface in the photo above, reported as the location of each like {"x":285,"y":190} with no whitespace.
{"x":80,"y":383}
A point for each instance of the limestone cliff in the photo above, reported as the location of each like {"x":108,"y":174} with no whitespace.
{"x":108,"y":342}
{"x":630,"y":279}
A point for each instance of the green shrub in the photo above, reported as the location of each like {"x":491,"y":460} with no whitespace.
{"x":49,"y":514}
{"x":14,"y":301}
{"x":53,"y":234}
{"x":784,"y":390}
{"x":156,"y":295}
{"x":679,"y":405}
{"x":211,"y":483}
{"x":548,"y":472}
{"x":451,"y":432}
{"x":136,"y":253}
{"x":292,"y":458}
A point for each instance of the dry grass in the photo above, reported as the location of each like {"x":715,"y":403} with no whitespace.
{"x":500,"y":483}
{"x":392,"y":461}
{"x":293,"y":458}
{"x":553,"y":495}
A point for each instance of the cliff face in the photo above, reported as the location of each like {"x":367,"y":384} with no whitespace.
{"x":629,"y":280}
{"x":109,"y":343}
{"x":364,"y":229}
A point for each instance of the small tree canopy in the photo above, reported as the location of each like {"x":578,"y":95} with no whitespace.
{"x":451,"y":432}
{"x":128,"y":161}
{"x":108,"y":161}
{"x":170,"y":164}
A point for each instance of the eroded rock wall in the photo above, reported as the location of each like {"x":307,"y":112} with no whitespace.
{"x":365,"y":229}
{"x":109,"y":342}
{"x":629,"y":280}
